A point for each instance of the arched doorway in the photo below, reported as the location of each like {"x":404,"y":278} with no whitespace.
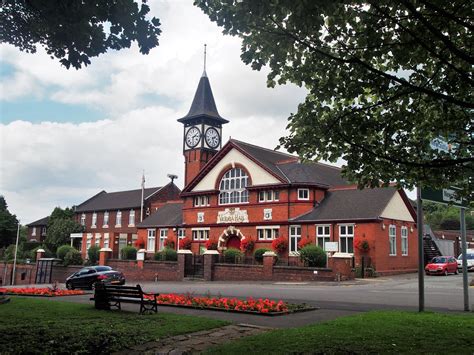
{"x":233,"y":242}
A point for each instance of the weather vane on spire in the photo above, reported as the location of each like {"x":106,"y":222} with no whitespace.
{"x":205,"y":53}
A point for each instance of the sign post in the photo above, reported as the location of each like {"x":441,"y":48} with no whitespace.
{"x":464,"y":260}
{"x":421,"y":262}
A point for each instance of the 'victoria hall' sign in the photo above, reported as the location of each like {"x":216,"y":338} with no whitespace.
{"x":232,"y":215}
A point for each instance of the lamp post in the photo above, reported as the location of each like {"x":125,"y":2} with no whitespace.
{"x":16,"y":252}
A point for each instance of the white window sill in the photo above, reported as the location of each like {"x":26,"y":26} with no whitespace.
{"x":105,"y":226}
{"x":93,"y":227}
{"x":293,"y":253}
{"x":392,"y":254}
{"x":131,"y":225}
{"x":118,"y":226}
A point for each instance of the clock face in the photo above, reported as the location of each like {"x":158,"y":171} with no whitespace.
{"x":193,"y":136}
{"x":212,"y":137}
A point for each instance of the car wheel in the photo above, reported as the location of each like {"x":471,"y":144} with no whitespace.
{"x":445,"y":272}
{"x":69,"y":286}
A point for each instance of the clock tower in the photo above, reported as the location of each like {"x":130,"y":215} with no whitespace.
{"x":202,"y":137}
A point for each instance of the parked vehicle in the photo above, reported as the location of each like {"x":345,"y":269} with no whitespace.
{"x":88,"y":276}
{"x":470,"y":260}
{"x":442,"y":265}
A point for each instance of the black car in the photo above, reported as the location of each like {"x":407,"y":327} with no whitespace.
{"x":88,"y":276}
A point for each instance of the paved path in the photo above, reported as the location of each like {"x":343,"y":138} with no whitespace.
{"x":195,"y":342}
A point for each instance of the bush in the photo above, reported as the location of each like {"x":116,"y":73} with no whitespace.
{"x":73,"y":257}
{"x":258,"y":254}
{"x":313,"y":256}
{"x":93,"y":254}
{"x":166,"y":254}
{"x":28,"y":246}
{"x":129,"y":253}
{"x":62,"y":251}
{"x":232,"y":254}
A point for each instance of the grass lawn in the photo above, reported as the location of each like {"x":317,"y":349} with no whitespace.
{"x":44,"y":326}
{"x":373,"y":332}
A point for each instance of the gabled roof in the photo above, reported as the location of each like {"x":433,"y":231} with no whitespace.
{"x":313,"y":173}
{"x":203,"y":103}
{"x":40,"y":222}
{"x":170,"y":215}
{"x":351,"y":204}
{"x":116,"y":200}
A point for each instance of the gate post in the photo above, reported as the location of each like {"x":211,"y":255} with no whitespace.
{"x":104,"y":255}
{"x":39,"y":255}
{"x":182,"y":263}
{"x":268,"y":261}
{"x":209,"y":260}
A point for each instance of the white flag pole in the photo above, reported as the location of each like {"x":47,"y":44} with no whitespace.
{"x":143,"y":191}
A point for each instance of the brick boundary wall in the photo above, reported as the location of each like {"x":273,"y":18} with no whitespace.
{"x":151,"y":271}
{"x":24,"y":274}
{"x":60,"y":272}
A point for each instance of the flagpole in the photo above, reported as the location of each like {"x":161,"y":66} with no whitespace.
{"x":16,"y":251}
{"x":143,"y":191}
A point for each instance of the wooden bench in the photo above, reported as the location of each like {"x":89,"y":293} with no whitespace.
{"x":109,"y":296}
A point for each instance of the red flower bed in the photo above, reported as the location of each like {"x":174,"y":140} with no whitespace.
{"x":231,"y":304}
{"x":48,"y":292}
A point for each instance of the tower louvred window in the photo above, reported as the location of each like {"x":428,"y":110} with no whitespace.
{"x":233,"y":187}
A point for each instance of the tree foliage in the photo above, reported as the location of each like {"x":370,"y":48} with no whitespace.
{"x":8,"y":224}
{"x":75,"y":31}
{"x":384,"y":78}
{"x":60,"y":226}
{"x":440,"y":216}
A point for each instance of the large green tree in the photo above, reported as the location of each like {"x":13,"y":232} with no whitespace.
{"x":75,"y":31}
{"x":384,"y":78}
{"x":8,"y":224}
{"x":60,"y":226}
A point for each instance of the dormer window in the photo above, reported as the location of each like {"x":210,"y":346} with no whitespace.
{"x":303,"y":194}
{"x":83,"y":219}
{"x":201,"y":201}
{"x":233,"y":187}
{"x":94,"y":220}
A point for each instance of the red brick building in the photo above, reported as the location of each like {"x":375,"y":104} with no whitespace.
{"x":110,"y":218}
{"x":242,"y":191}
{"x":37,"y":230}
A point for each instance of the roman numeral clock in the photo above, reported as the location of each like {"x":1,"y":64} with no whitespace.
{"x":202,"y":136}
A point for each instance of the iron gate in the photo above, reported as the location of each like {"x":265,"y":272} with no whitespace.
{"x":44,"y":271}
{"x":194,"y":266}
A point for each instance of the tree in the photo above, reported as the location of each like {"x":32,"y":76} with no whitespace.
{"x":60,"y":227}
{"x":8,"y":224}
{"x":384,"y":78}
{"x":75,"y":31}
{"x":440,"y":216}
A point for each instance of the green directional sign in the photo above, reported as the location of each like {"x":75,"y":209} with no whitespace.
{"x":446,"y":196}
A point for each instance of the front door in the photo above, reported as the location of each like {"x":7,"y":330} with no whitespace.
{"x":122,"y":244}
{"x":233,"y":242}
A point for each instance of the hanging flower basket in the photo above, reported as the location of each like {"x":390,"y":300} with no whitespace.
{"x":361,"y":245}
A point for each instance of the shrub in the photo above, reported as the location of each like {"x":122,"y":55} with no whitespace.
{"x":258,"y":254}
{"x":93,"y":254}
{"x":247,"y":245}
{"x":280,"y":245}
{"x":166,"y":254}
{"x":73,"y":257}
{"x":211,"y":244}
{"x":28,"y":246}
{"x":128,"y":253}
{"x":232,"y":254}
{"x":62,"y":251}
{"x":185,"y":243}
{"x":313,"y":256}
{"x":361,"y":245}
{"x":304,"y":242}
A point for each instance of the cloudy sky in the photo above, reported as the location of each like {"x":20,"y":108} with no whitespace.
{"x":68,"y":134}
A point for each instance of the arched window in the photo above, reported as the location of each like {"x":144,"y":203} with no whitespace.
{"x":233,"y":187}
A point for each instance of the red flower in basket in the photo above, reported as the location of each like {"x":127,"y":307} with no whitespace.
{"x":247,"y":245}
{"x":170,"y":242}
{"x":140,"y":244}
{"x":304,"y":242}
{"x":211,"y":244}
{"x":280,"y":245}
{"x":185,"y":243}
{"x":361,"y":244}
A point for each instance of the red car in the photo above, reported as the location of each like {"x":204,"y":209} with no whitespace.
{"x":442,"y":265}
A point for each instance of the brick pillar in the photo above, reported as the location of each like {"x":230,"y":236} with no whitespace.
{"x":141,"y":258}
{"x":210,"y":257}
{"x":39,"y":254}
{"x":104,"y":254}
{"x":182,"y":262}
{"x":268,"y":261}
{"x":341,"y":266}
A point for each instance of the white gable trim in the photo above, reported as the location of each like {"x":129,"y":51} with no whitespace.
{"x":397,"y":209}
{"x":258,"y":175}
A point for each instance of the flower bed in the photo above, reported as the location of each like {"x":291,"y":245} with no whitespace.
{"x":45,"y":292}
{"x":250,"y":305}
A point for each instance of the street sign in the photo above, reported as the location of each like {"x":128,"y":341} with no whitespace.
{"x":446,"y":196}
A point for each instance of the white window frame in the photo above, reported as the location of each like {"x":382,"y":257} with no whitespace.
{"x":293,"y":234}
{"x":200,"y":234}
{"x":131,"y":218}
{"x":347,"y":237}
{"x":181,"y":235}
{"x":118,"y":219}
{"x":106,"y":220}
{"x":97,"y":240}
{"x":233,"y":188}
{"x":43,"y":231}
{"x":33,"y":232}
{"x":268,"y":196}
{"x":83,"y":219}
{"x":151,"y":240}
{"x":88,"y":242}
{"x":325,"y":236}
{"x":106,"y":240}
{"x":94,"y":220}
{"x":201,"y":201}
{"x":392,"y":240}
{"x":265,"y":233}
{"x":303,"y":198}
{"x":404,"y":236}
{"x":163,"y":236}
